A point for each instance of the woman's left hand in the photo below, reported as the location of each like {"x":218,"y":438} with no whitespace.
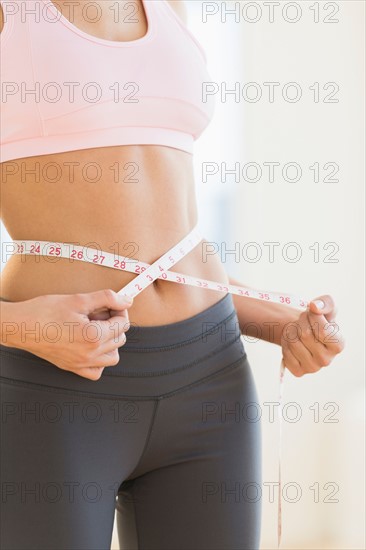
{"x":313,"y":340}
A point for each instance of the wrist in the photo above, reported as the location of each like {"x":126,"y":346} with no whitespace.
{"x":265,"y":320}
{"x":285,"y":317}
{"x":10,"y":324}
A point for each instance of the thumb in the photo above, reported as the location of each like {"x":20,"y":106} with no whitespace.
{"x":323,"y":305}
{"x":108,"y":299}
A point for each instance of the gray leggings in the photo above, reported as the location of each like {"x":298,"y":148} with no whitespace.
{"x":167,"y":438}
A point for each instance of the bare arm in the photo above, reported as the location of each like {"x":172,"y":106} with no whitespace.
{"x":263,"y":320}
{"x":10,"y":319}
{"x":1,"y":19}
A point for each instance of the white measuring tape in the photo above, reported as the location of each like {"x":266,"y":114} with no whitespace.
{"x":147,"y":273}
{"x":160,"y":269}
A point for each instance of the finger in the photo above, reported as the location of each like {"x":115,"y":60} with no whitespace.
{"x":98,"y":333}
{"x":323,"y":305}
{"x":303,"y":356}
{"x":118,"y":323}
{"x":91,"y":373}
{"x":101,"y":315}
{"x":119,"y":313}
{"x":293,"y":341}
{"x":111,"y":345}
{"x":107,"y":299}
{"x":102,"y":361}
{"x":290,"y":361}
{"x":108,"y":314}
{"x":110,"y":359}
{"x":327,"y":333}
{"x":104,"y":314}
{"x":305,"y":333}
{"x":320,"y":353}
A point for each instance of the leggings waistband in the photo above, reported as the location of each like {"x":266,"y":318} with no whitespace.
{"x":154,"y":361}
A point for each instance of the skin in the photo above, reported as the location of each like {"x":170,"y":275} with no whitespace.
{"x":154,"y":214}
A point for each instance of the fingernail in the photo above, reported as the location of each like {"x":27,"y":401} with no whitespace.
{"x":128,"y":299}
{"x":319,"y":304}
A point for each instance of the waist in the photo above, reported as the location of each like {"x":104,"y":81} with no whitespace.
{"x":28,"y":276}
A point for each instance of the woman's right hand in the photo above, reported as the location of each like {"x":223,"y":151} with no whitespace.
{"x":58,"y":328}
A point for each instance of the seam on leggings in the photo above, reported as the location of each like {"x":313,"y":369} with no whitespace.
{"x":183,"y":342}
{"x":114,"y":397}
{"x":216,"y":374}
{"x":148,"y":437}
{"x":177,"y":369}
{"x":135,"y":513}
{"x":141,"y":374}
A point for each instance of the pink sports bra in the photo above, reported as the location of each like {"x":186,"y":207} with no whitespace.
{"x":63,"y":89}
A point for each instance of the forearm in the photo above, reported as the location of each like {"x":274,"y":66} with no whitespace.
{"x":10,"y":322}
{"x":260,"y":319}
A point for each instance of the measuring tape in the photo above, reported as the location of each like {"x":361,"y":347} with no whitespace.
{"x":147,"y":273}
{"x":160,"y":269}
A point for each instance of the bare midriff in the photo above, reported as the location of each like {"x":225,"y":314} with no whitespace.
{"x":139,"y":213}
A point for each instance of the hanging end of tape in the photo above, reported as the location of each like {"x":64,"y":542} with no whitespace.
{"x":279,"y":513}
{"x":282,"y":370}
{"x":279,"y":540}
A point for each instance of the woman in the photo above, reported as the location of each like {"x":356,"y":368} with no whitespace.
{"x":100,"y":111}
